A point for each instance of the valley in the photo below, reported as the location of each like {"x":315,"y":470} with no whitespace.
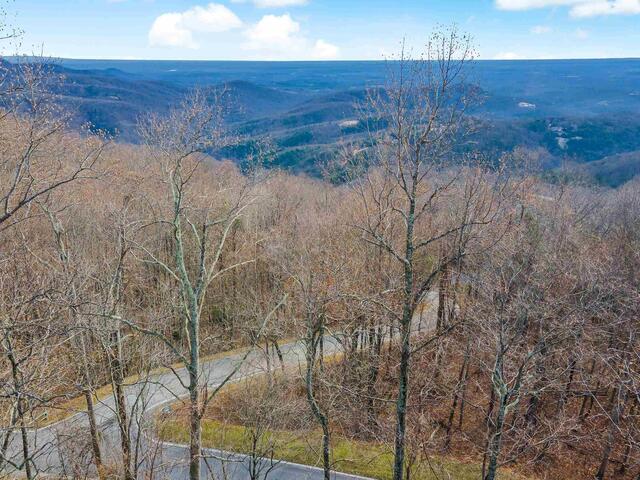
{"x":569,"y":111}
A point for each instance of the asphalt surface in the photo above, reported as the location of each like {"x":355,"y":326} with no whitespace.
{"x":61,"y":447}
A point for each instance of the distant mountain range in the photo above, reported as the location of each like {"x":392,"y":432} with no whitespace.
{"x":582,"y":112}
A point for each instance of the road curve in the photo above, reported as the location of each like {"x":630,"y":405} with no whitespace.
{"x":56,"y":445}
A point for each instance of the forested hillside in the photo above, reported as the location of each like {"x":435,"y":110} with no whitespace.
{"x":578,"y":111}
{"x":438,"y":312}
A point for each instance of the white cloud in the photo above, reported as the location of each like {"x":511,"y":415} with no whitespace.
{"x":279,"y":36}
{"x":324,"y":51}
{"x":507,"y":56}
{"x":212,"y":18}
{"x":540,"y":29}
{"x":273,"y":31}
{"x":578,"y":8}
{"x":278,"y":3}
{"x":603,"y":7}
{"x":176,"y":29}
{"x":274,"y":3}
{"x":530,"y":4}
{"x":167,"y":31}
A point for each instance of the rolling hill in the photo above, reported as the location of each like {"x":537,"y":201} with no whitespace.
{"x":582,"y":111}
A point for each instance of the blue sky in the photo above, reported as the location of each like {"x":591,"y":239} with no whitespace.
{"x":322,"y":29}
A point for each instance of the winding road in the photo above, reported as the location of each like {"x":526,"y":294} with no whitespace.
{"x":57,"y":444}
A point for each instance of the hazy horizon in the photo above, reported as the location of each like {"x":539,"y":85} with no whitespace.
{"x":356,"y":60}
{"x":307,"y":30}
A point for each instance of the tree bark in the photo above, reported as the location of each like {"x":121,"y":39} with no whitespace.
{"x":95,"y":437}
{"x":495,"y":443}
{"x":117,"y":379}
{"x":616,"y":413}
{"x":25,"y":443}
{"x":401,"y":402}
{"x":312,"y":343}
{"x":21,"y":410}
{"x":456,"y":396}
{"x":488,"y":421}
{"x":7,"y":437}
{"x":407,"y":313}
{"x":279,"y":354}
{"x":195,"y":445}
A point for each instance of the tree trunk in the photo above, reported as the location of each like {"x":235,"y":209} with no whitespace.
{"x":279,"y":354}
{"x":531,"y":414}
{"x":495,"y":443}
{"x":407,"y":313}
{"x":312,"y":342}
{"x":117,"y":378}
{"x":326,"y":462}
{"x":488,"y":421}
{"x":95,"y":437}
{"x":17,"y":378}
{"x":195,"y":417}
{"x":567,"y":388}
{"x":268,"y":360}
{"x":195,"y":446}
{"x":401,"y":403}
{"x":123,"y":423}
{"x":616,"y":413}
{"x":88,"y":395}
{"x":587,"y":401}
{"x":463,"y":397}
{"x":195,"y":434}
{"x":373,"y":373}
{"x":456,"y":396}
{"x":25,"y":445}
{"x":443,"y":290}
{"x":8,"y":433}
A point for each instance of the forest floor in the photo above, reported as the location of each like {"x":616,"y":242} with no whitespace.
{"x":368,"y":459}
{"x":223,"y":429}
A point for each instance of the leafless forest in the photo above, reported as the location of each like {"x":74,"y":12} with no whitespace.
{"x":475,"y":313}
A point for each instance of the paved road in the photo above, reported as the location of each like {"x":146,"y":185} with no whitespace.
{"x":57,"y":445}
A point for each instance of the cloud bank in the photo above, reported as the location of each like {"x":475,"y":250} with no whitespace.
{"x":177,"y":29}
{"x":280,"y":37}
{"x":274,"y":3}
{"x":507,"y":56}
{"x":271,"y":37}
{"x":578,"y":8}
{"x":278,"y":3}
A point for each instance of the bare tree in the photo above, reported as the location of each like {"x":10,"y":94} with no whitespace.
{"x":38,"y":154}
{"x":408,"y":194}
{"x":199,"y":225}
{"x":316,"y":269}
{"x":260,"y":414}
{"x":30,"y":344}
{"x":82,"y":342}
